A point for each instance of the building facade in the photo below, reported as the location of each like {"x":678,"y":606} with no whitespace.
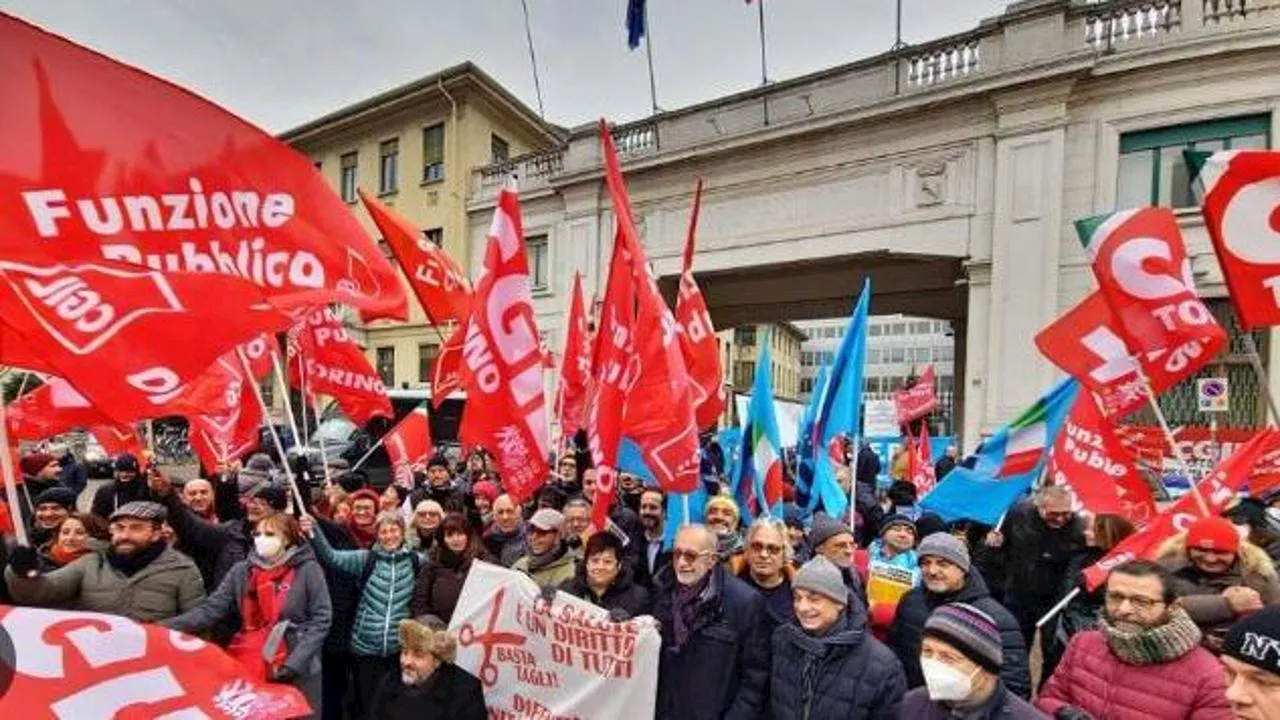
{"x":414,"y":147}
{"x":784,"y":358}
{"x":947,"y":173}
{"x":898,"y":347}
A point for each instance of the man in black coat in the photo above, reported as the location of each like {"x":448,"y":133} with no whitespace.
{"x":1039,"y":539}
{"x":714,"y":662}
{"x":128,"y":486}
{"x":429,"y":686}
{"x":947,"y":577}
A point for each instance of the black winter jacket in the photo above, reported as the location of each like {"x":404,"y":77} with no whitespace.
{"x":451,"y":693}
{"x":845,"y":675}
{"x":918,"y":603}
{"x":624,"y":594}
{"x":1036,"y":555}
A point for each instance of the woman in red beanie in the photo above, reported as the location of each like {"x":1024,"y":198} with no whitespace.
{"x":1219,"y":577}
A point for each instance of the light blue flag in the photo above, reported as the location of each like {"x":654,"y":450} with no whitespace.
{"x":730,"y":441}
{"x":987,"y":491}
{"x":631,"y":461}
{"x":805,"y":460}
{"x":840,"y":409}
{"x":675,"y":513}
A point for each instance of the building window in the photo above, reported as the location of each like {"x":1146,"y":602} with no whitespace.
{"x":1152,"y":170}
{"x":386,"y":361}
{"x":433,"y":153}
{"x":536,"y":248}
{"x":268,"y":388}
{"x":434,"y":236}
{"x":319,"y":165}
{"x":873,"y":356}
{"x":746,"y":373}
{"x":897,"y":355}
{"x":388,"y":167}
{"x":427,"y":355}
{"x":499,"y":151}
{"x":745,"y":335}
{"x":348,"y":177}
{"x":874,"y":331}
{"x":806,"y":385}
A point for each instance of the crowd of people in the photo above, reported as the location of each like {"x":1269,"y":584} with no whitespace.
{"x":346,"y":591}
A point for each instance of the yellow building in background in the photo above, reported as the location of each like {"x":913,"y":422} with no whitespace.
{"x":414,"y":147}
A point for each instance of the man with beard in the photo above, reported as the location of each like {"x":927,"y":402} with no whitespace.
{"x":1144,"y":660}
{"x":127,"y":487}
{"x":714,"y":661}
{"x":548,"y":561}
{"x":429,"y":686}
{"x":722,"y":519}
{"x":139,"y":577}
{"x":1218,"y":577}
{"x":505,"y":537}
{"x":652,"y":519}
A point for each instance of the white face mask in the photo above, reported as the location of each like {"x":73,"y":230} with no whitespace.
{"x":266,"y":546}
{"x":944,"y":682}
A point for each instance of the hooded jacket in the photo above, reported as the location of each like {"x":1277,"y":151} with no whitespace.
{"x":919,"y":602}
{"x":1200,"y":594}
{"x":845,"y":674}
{"x":305,"y":609}
{"x":169,"y":585}
{"x":384,"y":599}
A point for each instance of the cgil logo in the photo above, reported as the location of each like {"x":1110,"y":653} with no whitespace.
{"x":84,"y":306}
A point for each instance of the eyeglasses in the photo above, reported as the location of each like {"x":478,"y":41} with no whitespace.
{"x":763,"y":549}
{"x":1141,"y":603}
{"x":689,"y":556}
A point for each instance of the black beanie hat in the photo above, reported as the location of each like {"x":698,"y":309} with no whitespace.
{"x":275,"y":495}
{"x":1255,"y":639}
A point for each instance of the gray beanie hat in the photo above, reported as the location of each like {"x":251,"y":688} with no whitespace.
{"x":820,"y":575}
{"x":824,"y":528}
{"x":946,"y":546}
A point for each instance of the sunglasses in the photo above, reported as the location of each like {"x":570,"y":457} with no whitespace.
{"x":764,"y":549}
{"x":689,"y":556}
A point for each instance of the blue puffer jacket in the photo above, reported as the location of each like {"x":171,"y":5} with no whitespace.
{"x":384,"y":600}
{"x":722,"y":670}
{"x":844,"y":675}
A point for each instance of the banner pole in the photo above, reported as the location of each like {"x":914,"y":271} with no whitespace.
{"x":302,"y":390}
{"x":1057,"y":608}
{"x":284,"y":395}
{"x":1255,"y":359}
{"x":10,"y":484}
{"x":324,"y":457}
{"x":271,"y":428}
{"x":222,"y":459}
{"x":367,"y":454}
{"x":1173,"y":444}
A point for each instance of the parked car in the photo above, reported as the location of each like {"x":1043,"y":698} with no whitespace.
{"x":97,"y":463}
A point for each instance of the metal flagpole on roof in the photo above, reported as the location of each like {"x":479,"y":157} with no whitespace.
{"x":648,"y":51}
{"x":764,"y":65}
{"x":533,"y":59}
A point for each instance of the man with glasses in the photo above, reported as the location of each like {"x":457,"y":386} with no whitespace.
{"x":766,"y":567}
{"x":715,"y":648}
{"x":1144,"y":660}
{"x":1038,"y":540}
{"x":1220,"y":578}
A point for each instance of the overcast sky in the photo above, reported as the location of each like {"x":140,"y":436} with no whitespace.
{"x":280,"y":63}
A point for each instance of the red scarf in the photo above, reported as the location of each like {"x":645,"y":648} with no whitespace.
{"x":265,"y":590}
{"x":63,"y":556}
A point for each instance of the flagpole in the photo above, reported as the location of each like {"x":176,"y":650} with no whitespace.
{"x":222,"y":459}
{"x":1255,"y":359}
{"x":533,"y":60}
{"x":1173,"y":444}
{"x":302,"y":391}
{"x":648,"y":51}
{"x":284,"y":392}
{"x":324,"y":458}
{"x":368,"y":453}
{"x":271,"y":429}
{"x":764,"y":66}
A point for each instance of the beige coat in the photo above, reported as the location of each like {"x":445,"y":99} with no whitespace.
{"x":1201,"y":595}
{"x":169,"y":586}
{"x":553,"y":575}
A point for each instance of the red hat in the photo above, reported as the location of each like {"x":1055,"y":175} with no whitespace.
{"x":486,"y":490}
{"x":1213,"y":533}
{"x":35,"y":462}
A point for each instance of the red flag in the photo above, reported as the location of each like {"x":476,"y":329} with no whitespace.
{"x":128,"y":338}
{"x":1241,"y":192}
{"x":659,"y":414}
{"x":335,"y":365}
{"x":922,"y":472}
{"x":82,"y":665}
{"x":918,"y":400}
{"x":614,"y":370}
{"x":51,"y":409}
{"x":104,"y":161}
{"x":575,"y":368}
{"x":409,"y":446}
{"x":447,"y":375}
{"x":1145,"y":275}
{"x":698,"y":344}
{"x":506,"y":408}
{"x":1087,"y":343}
{"x":1089,"y":459}
{"x":231,"y":432}
{"x":437,"y":281}
{"x":1218,"y":488}
{"x":118,"y":439}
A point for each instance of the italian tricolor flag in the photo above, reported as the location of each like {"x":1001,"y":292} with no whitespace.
{"x":1023,"y":445}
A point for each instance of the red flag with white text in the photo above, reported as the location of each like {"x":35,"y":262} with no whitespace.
{"x":614,"y":370}
{"x":1145,"y":276}
{"x":102,"y":161}
{"x":573,"y":390}
{"x":698,"y":343}
{"x":659,"y":415}
{"x":409,"y":446}
{"x":335,"y":365}
{"x":1089,"y":459}
{"x":1218,"y":488}
{"x":919,"y":400}
{"x":232,"y":431}
{"x":506,"y":409}
{"x":1241,"y":190}
{"x":1087,"y":343}
{"x":89,"y":665}
{"x":437,"y":281}
{"x":446,"y":377}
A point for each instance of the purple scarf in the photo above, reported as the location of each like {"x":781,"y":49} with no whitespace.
{"x":688,"y":603}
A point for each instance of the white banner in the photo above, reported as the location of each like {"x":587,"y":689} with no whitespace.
{"x":565,"y":660}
